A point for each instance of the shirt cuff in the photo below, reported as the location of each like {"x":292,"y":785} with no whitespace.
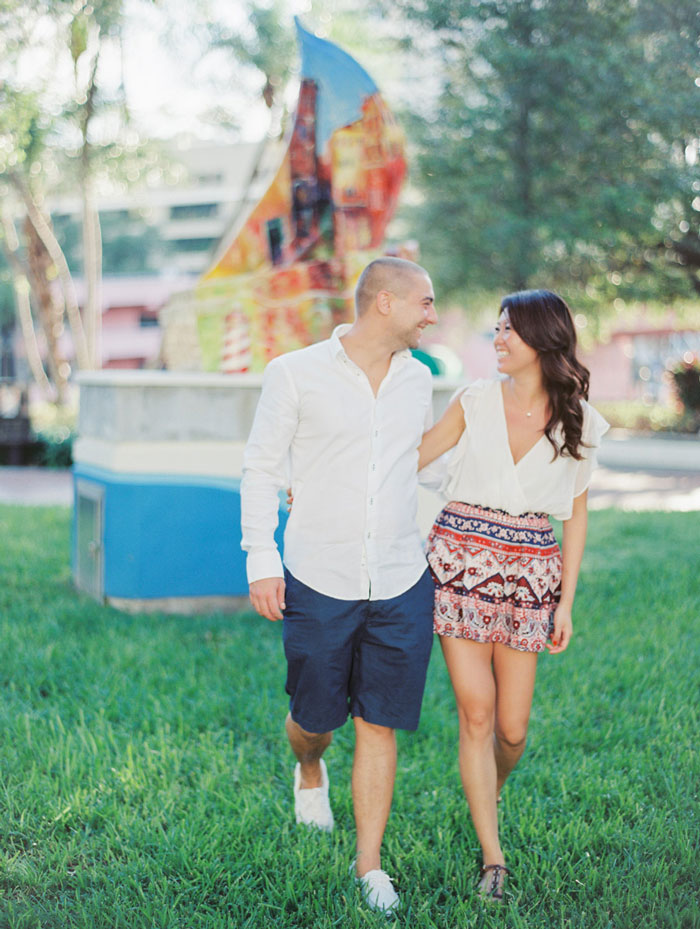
{"x":263,"y":564}
{"x":432,"y":476}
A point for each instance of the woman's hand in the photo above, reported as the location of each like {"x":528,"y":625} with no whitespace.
{"x":290,"y":499}
{"x":573,"y":542}
{"x":563,"y":630}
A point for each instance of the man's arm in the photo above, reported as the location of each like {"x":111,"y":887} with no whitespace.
{"x":264,"y":474}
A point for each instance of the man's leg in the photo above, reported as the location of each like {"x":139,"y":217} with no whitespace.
{"x":318,"y":643}
{"x":308,"y":748}
{"x":373,"y":774}
{"x":311,"y":803}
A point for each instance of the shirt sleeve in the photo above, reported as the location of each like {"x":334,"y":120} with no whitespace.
{"x":594,"y":428}
{"x":265,"y":471}
{"x":469,"y":397}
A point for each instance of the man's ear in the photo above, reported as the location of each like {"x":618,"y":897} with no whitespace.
{"x":384,"y":298}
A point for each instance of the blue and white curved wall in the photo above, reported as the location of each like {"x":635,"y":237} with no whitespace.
{"x":157,"y":468}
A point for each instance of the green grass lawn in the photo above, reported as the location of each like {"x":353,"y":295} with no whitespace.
{"x":145,"y":779}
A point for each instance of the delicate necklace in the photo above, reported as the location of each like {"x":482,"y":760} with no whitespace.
{"x":528,"y":413}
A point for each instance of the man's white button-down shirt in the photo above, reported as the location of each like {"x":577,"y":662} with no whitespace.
{"x":351,"y":458}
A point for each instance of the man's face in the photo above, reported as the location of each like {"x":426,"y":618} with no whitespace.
{"x":413,"y":309}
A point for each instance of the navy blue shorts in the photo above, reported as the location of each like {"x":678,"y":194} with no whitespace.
{"x":367,"y":658}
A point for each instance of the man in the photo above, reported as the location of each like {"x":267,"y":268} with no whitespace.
{"x":346,"y":416}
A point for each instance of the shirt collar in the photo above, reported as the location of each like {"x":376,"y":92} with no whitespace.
{"x":339,"y":352}
{"x":336,"y":345}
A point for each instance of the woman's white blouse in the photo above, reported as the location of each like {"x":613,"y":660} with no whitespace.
{"x":481,"y":469}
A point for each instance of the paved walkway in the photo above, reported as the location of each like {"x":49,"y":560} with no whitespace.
{"x":644,"y":490}
{"x":636,"y":473}
{"x":36,"y":486}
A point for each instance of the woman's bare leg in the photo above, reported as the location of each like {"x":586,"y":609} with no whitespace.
{"x":471,"y":673}
{"x":514,"y":673}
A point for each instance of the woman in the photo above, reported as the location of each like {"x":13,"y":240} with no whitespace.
{"x":525,"y":450}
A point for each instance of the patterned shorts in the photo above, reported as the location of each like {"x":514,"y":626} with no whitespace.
{"x":497,"y":577}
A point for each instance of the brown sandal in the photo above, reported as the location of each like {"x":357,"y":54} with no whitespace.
{"x":493,"y":889}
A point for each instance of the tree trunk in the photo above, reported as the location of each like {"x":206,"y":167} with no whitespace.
{"x":92,"y":238}
{"x":523,"y":185}
{"x":521,"y":155}
{"x":92,"y":268}
{"x":21,"y":287}
{"x":50,"y":313}
{"x":44,"y":231}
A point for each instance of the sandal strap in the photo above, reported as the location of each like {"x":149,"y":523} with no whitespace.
{"x":496,"y":889}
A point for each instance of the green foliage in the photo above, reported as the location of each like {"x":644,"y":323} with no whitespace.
{"x":686,"y":377}
{"x":269,"y":45}
{"x":640,"y":416}
{"x":24,"y":128}
{"x":146,"y":780}
{"x":54,"y":448}
{"x":687,"y":380}
{"x":7,"y":297}
{"x":55,"y":427}
{"x":562,"y":150}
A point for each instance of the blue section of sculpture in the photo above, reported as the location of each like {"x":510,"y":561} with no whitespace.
{"x":171,"y":535}
{"x":342,"y":84}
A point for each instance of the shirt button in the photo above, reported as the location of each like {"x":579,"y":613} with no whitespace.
{"x":371,"y":501}
{"x":369,"y":535}
{"x":374,"y":467}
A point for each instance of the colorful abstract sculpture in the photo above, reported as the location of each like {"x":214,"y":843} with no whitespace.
{"x":287,"y":277}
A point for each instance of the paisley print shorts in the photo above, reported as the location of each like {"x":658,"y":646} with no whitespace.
{"x":497,"y":577}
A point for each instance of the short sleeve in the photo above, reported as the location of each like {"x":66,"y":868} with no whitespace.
{"x":594,"y":428}
{"x":471,"y":396}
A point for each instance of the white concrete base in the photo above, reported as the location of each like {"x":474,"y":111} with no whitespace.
{"x":183,"y":606}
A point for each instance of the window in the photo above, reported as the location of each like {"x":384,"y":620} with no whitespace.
{"x":209,"y":180}
{"x":194,"y":210}
{"x":192,"y":245}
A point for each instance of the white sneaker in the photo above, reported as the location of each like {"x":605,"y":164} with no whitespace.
{"x":379,"y":892}
{"x":311,"y":805}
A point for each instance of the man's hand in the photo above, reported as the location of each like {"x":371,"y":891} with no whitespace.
{"x":267,"y":597}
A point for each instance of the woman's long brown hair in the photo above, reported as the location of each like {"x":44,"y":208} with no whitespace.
{"x":543,"y":321}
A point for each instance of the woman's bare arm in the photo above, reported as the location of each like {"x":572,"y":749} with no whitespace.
{"x":443,"y":435}
{"x":573,"y":544}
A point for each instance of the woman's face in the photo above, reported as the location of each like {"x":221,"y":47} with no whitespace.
{"x":513,"y":355}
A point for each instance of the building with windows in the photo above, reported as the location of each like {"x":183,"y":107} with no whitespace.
{"x":158,"y":239}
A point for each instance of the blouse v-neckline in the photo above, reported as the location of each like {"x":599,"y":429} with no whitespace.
{"x":515,"y":463}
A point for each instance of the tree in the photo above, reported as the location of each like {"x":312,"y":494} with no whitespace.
{"x":88,"y":27}
{"x":36,"y":136}
{"x":553,"y":155}
{"x":23,"y":134}
{"x":268,"y":47}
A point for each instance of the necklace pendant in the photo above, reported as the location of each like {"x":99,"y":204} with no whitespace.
{"x":529,"y":414}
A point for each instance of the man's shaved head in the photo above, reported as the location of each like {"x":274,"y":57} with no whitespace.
{"x":392,"y":274}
